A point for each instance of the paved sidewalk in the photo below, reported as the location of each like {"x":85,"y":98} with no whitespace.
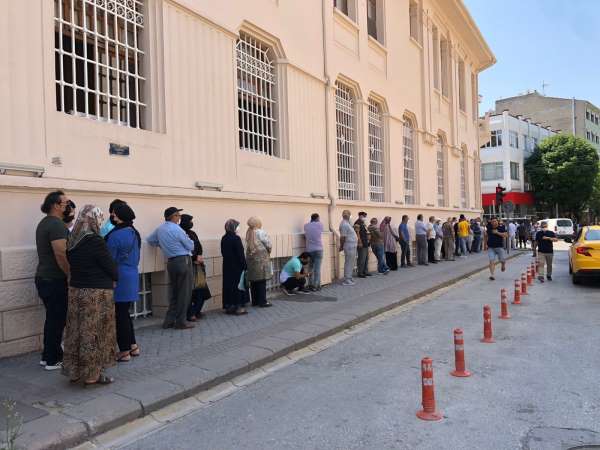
{"x":175,"y":364}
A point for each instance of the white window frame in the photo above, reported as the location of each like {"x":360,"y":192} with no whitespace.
{"x":513,"y":139}
{"x":408,"y":141}
{"x":376,"y":152}
{"x":495,"y":139}
{"x":492,"y":171}
{"x":106,"y":68}
{"x":514,"y":171}
{"x":257,"y":96}
{"x":347,"y":155}
{"x":415,"y":21}
{"x":441,"y":172}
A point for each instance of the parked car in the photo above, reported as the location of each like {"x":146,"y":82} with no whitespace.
{"x":562,"y":227}
{"x":584,"y":254}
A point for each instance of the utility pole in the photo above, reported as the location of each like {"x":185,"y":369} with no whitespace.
{"x":544,"y":85}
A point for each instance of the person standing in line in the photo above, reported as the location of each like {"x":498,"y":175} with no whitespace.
{"x":496,"y":235}
{"x":476,"y":229}
{"x":522,"y":234}
{"x":360,"y":227}
{"x":234,"y":264}
{"x":313,"y":234}
{"x":110,"y":223}
{"x":348,"y":244}
{"x":377,"y":246}
{"x":470,"y":237}
{"x":431,"y":241}
{"x":456,"y":238}
{"x":390,"y":238}
{"x":448,"y":239}
{"x":463,"y":235}
{"x":545,"y":253}
{"x":177,"y":248}
{"x":404,"y":239}
{"x":439,"y":239}
{"x":51,"y":276}
{"x":90,"y":334}
{"x":200,"y":290}
{"x":124,"y":243}
{"x":69,"y":215}
{"x":258,"y":260}
{"x":421,"y":236}
{"x":512,"y":235}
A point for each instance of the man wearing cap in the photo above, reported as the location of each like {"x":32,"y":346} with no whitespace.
{"x":177,"y":248}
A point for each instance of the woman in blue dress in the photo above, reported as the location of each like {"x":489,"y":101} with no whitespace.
{"x":124,"y":244}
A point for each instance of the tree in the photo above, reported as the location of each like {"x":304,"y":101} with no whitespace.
{"x":563,"y":170}
{"x":594,"y":201}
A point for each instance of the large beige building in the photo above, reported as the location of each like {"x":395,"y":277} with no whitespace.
{"x":231,"y":108}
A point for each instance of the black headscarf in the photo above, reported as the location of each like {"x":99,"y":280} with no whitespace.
{"x":124,"y":212}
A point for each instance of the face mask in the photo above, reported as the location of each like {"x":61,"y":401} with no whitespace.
{"x":237,"y":228}
{"x":68,"y":218}
{"x":112,"y":220}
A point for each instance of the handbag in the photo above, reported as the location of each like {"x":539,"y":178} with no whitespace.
{"x":199,"y":277}
{"x":242,"y":283}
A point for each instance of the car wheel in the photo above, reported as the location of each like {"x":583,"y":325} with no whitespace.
{"x":575,"y":279}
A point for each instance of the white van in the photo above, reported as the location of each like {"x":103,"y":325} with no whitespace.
{"x":562,"y":227}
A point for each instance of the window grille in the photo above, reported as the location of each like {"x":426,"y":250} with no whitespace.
{"x":409,"y":163}
{"x":441,"y":195}
{"x":256,"y":83}
{"x":277,"y":263}
{"x":463,"y":180}
{"x":346,"y":147}
{"x":143,"y":307}
{"x":376,"y":167}
{"x":99,"y":60}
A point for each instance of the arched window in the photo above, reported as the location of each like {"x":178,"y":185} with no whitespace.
{"x":408,"y":142}
{"x":463,"y":178}
{"x":376,"y":156}
{"x":441,"y":172}
{"x":256,"y":80}
{"x":346,"y":143}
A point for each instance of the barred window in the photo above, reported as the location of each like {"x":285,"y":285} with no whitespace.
{"x":99,"y":60}
{"x":408,"y":141}
{"x":256,"y":81}
{"x":441,"y":173}
{"x":346,"y":146}
{"x":376,"y":160}
{"x":463,"y":179}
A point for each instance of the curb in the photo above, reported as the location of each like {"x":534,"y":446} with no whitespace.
{"x":67,"y":429}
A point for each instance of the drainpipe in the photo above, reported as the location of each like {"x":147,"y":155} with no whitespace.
{"x":573,"y":113}
{"x":331,"y":194}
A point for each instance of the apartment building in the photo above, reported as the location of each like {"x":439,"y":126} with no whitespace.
{"x":231,"y":109}
{"x":512,"y":141}
{"x":569,"y":115}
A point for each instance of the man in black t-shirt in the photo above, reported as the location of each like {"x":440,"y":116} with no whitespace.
{"x":545,"y":251}
{"x":496,"y":234}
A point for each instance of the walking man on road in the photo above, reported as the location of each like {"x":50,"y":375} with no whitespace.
{"x":177,"y":248}
{"x":545,"y":251}
{"x":496,"y":234}
{"x":348,"y":244}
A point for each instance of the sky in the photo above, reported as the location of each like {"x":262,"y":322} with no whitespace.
{"x":553,"y":42}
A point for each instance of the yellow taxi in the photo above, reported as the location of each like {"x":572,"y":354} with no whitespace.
{"x":584,"y":254}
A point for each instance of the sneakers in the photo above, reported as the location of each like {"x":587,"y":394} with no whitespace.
{"x":503,"y":266}
{"x":286,"y":292}
{"x":42,"y":363}
{"x":56,"y":366}
{"x":304,"y":291}
{"x":348,"y":283}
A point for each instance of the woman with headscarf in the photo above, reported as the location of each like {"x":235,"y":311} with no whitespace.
{"x":389,"y":243}
{"x":200,"y":291}
{"x":90,"y":332}
{"x":124,"y":243}
{"x":258,"y":251}
{"x":234,"y":263}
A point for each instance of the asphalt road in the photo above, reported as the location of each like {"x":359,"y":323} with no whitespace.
{"x":535,"y":388}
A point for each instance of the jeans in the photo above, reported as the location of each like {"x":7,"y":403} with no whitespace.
{"x":316,"y":258}
{"x":544,"y":258}
{"x":292,"y":283}
{"x":362,"y":265}
{"x":405,"y":253}
{"x":196,"y":303}
{"x":379,"y":254}
{"x":180,"y":276}
{"x":476,"y":247}
{"x":463,"y":245}
{"x":54,"y":295}
{"x":258,"y":290}
{"x":125,"y":333}
{"x":421,"y":249}
{"x":349,"y":261}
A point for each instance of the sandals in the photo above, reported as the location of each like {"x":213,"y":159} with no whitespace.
{"x":123,"y":357}
{"x":102,"y":380}
{"x":135,"y":352}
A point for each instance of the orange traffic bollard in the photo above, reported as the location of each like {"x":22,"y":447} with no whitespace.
{"x":533,"y":270}
{"x":504,"y":305}
{"x":529,"y":277}
{"x":523,"y":284}
{"x":459,"y":355}
{"x":427,"y":396}
{"x":517,"y":299}
{"x":487,"y":325}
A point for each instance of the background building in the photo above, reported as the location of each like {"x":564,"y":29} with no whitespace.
{"x":233,"y":108}
{"x":512,"y":141}
{"x":578,"y":117}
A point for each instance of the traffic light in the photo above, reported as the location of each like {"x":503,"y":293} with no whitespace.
{"x":500,"y":194}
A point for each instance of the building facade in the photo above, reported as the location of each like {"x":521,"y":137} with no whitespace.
{"x":512,"y":140}
{"x":231,"y":109}
{"x":578,"y":117}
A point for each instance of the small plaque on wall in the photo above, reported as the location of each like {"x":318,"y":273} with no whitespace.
{"x":118,"y":150}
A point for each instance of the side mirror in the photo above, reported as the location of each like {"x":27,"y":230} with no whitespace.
{"x":568,"y":240}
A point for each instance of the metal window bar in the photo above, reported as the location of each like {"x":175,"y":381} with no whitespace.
{"x":441,"y":196}
{"x":409,"y":164}
{"x":376,"y":167}
{"x":277,"y":264}
{"x":256,"y":80}
{"x":463,"y":181}
{"x":143,"y":307}
{"x":346,"y":147}
{"x":99,"y":59}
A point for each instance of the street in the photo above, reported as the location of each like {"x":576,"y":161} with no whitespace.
{"x":535,"y":388}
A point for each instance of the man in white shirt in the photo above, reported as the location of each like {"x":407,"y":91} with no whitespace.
{"x":421,"y":237}
{"x":348,"y":244}
{"x":512,"y":234}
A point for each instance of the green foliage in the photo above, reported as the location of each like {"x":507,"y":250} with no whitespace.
{"x":563,"y":170}
{"x":594,"y":201}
